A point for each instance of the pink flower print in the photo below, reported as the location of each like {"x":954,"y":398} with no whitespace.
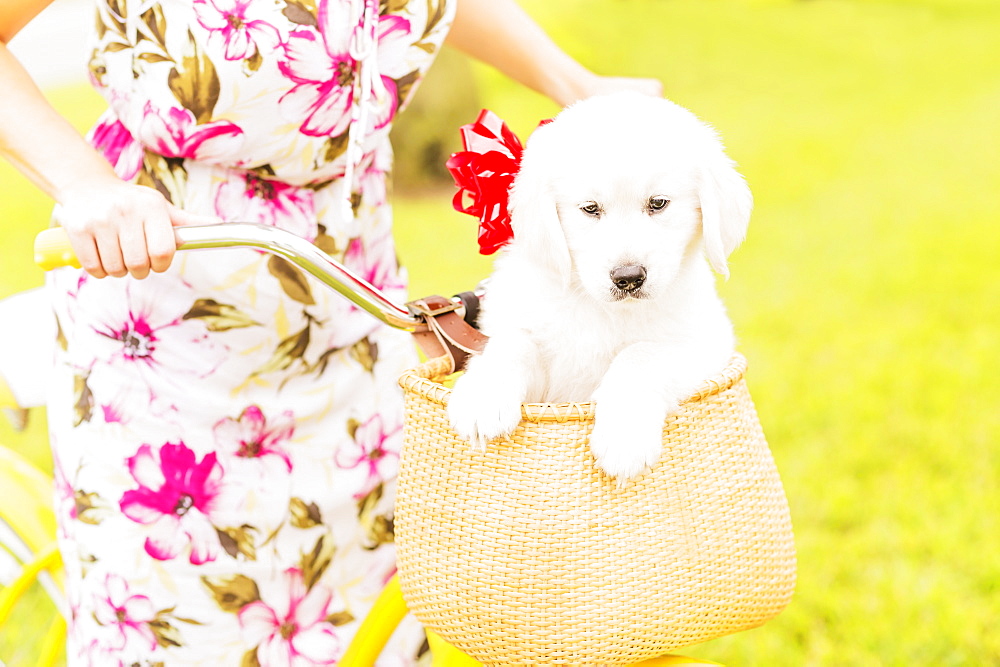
{"x":137,"y":337}
{"x":112,"y":413}
{"x":118,"y":404}
{"x":246,"y":197}
{"x":374,"y":259}
{"x":251,"y":437}
{"x":394,"y":41}
{"x":145,"y":331}
{"x":375,"y":450}
{"x":176,"y":497}
{"x":323,"y":76}
{"x":374,"y":178}
{"x":99,"y":653}
{"x":389,"y":107}
{"x":115,"y":143}
{"x":323,"y":71}
{"x":242,"y":35}
{"x":292,"y":630}
{"x":127,"y":617}
{"x":65,"y":496}
{"x":176,"y":133}
{"x":133,"y":341}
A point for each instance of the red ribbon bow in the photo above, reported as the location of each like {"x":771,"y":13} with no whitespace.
{"x":483,"y":173}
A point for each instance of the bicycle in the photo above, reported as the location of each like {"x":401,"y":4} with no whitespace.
{"x":441,"y":327}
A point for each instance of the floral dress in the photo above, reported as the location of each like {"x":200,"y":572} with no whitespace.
{"x":226,"y":434}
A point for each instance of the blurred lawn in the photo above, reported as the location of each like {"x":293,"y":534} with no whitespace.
{"x":867,"y":297}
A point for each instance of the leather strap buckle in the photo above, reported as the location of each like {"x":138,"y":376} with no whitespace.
{"x":444,"y":332}
{"x":421,"y":307}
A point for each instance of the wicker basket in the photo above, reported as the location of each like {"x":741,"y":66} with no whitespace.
{"x":527,"y":554}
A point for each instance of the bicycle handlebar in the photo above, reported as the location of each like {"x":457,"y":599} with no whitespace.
{"x":53,"y":250}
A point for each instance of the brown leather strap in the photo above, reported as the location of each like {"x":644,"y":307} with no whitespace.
{"x":445,"y":333}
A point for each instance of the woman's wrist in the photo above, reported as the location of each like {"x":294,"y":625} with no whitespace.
{"x":583,"y":86}
{"x":97,"y":180}
{"x":569,"y":83}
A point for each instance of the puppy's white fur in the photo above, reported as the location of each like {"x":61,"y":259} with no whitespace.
{"x":588,"y":199}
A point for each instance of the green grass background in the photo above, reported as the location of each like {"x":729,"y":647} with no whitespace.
{"x":866,"y":298}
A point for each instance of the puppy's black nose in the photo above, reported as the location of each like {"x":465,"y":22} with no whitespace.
{"x":628,"y":278}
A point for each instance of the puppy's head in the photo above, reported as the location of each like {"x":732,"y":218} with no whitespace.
{"x":621,"y":192}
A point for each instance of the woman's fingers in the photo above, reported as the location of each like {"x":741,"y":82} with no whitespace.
{"x":613,"y":84}
{"x":110,"y":251}
{"x":160,"y":242}
{"x":133,"y":241}
{"x":86,"y":252}
{"x":120,"y":229}
{"x":181,"y":218}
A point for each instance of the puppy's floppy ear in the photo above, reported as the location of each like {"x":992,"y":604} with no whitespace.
{"x":726,"y":203}
{"x":535,"y":220}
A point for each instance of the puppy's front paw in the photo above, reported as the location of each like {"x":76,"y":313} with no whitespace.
{"x":483,"y":407}
{"x":627,"y":440}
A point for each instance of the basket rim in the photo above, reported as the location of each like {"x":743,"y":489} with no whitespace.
{"x":424,"y":380}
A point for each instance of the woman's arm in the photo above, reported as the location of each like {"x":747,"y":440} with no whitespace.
{"x":15,"y":14}
{"x":115,"y":227}
{"x":501,"y":34}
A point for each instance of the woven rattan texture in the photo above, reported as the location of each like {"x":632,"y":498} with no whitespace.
{"x":526,"y":554}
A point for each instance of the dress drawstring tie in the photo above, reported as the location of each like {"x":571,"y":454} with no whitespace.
{"x":363,"y":48}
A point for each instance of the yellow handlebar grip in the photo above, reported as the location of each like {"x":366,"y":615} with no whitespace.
{"x":52,"y":250}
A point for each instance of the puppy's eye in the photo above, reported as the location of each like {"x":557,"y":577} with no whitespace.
{"x":592,"y":209}
{"x":656,"y":204}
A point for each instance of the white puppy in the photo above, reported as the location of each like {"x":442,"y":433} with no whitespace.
{"x":604,"y":293}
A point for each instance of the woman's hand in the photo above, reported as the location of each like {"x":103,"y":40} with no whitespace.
{"x":114,"y":227}
{"x":600,"y":85}
{"x":117,"y":228}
